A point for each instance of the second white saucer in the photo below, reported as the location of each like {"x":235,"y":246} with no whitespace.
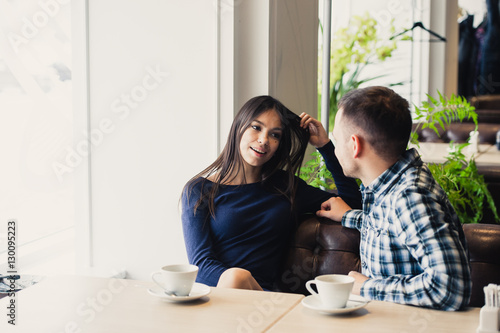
{"x":199,"y":290}
{"x":354,"y":303}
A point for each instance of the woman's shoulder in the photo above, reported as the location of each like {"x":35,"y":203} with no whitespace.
{"x":197,"y":185}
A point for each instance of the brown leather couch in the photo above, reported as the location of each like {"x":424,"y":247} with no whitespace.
{"x":459,"y":132}
{"x":487,"y":108}
{"x":321,"y":246}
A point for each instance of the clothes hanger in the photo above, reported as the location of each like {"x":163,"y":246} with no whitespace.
{"x":420,"y":25}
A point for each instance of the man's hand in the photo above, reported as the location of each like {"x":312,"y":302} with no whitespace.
{"x":319,"y":137}
{"x":359,"y":279}
{"x":334,"y":208}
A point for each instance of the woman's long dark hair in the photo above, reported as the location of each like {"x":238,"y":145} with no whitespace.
{"x":229,"y":164}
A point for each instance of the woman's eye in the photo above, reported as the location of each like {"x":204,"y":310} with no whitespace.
{"x":255,"y":127}
{"x":276,"y":135}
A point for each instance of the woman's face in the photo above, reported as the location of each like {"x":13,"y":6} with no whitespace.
{"x":261,"y":139}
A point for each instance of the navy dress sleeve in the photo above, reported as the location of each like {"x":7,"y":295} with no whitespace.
{"x":198,"y":238}
{"x":347,"y":187}
{"x":309,"y":198}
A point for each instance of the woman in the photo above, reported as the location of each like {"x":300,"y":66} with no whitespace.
{"x":239,"y":212}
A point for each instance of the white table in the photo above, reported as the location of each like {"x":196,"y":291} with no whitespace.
{"x":489,"y":157}
{"x":432,"y":152}
{"x":379,"y":317}
{"x":84,"y":304}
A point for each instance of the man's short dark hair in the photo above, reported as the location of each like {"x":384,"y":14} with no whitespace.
{"x":382,"y":115}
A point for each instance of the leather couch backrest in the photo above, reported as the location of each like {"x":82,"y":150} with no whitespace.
{"x":486,"y":102}
{"x":483,"y":241}
{"x":460,"y":132}
{"x":320,"y":246}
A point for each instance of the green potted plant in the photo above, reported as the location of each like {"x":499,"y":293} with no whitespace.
{"x":458,"y":176}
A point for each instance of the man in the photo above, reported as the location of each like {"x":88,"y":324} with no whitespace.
{"x":412,"y":248}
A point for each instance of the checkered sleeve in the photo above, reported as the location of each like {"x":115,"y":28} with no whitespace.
{"x":353,"y":219}
{"x":437,"y":273}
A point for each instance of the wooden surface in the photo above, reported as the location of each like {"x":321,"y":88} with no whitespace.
{"x":490,"y":156}
{"x":84,"y":304}
{"x":432,"y":152}
{"x":379,"y":317}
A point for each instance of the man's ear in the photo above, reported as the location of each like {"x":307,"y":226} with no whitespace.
{"x":357,"y":145}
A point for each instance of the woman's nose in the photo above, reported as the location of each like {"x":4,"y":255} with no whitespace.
{"x":263,"y":139}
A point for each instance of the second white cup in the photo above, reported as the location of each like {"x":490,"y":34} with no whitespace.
{"x":176,"y":280}
{"x":333,"y":289}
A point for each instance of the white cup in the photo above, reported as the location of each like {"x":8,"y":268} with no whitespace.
{"x":333,"y":289}
{"x":176,"y":280}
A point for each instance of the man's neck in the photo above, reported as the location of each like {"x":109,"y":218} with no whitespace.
{"x":373,"y":168}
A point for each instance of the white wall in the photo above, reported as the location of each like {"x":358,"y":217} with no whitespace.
{"x":162,"y":126}
{"x":251,"y":50}
{"x":276,"y":52}
{"x":155,"y":135}
{"x":293,"y":54}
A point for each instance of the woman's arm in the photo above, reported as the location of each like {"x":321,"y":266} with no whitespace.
{"x":347,"y":187}
{"x":198,"y":239}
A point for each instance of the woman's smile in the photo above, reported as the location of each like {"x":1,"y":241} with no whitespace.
{"x":259,"y":152}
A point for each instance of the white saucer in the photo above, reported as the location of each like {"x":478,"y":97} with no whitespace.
{"x":199,"y":290}
{"x":355,"y":302}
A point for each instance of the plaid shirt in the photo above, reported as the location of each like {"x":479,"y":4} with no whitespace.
{"x":412,"y":244}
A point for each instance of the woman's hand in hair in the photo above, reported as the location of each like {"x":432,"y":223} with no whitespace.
{"x":319,"y":137}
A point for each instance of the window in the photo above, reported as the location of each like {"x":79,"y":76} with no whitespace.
{"x":36,"y":133}
{"x":400,"y":69}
